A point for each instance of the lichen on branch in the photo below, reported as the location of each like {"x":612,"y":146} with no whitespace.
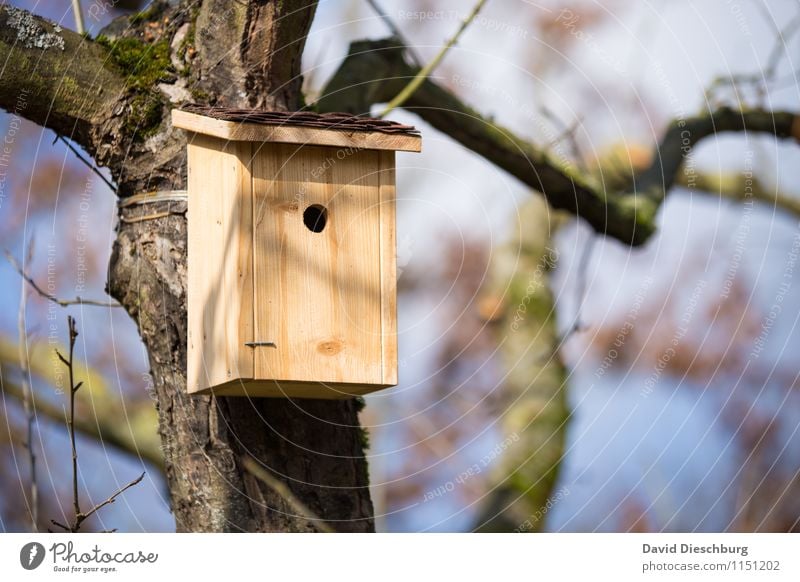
{"x":31,"y":33}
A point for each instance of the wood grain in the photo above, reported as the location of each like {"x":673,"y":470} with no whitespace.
{"x":220,"y":262}
{"x":319,"y":309}
{"x":388,"y":242}
{"x":318,"y":295}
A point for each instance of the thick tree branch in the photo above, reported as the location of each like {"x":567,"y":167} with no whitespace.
{"x":374,"y":71}
{"x":44,"y":294}
{"x":684,"y":134}
{"x":270,"y":37}
{"x":53,"y":76}
{"x":739,"y":187}
{"x":271,"y":49}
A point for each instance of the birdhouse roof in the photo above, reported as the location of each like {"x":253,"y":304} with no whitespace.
{"x":301,"y":127}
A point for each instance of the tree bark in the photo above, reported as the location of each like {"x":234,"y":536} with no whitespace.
{"x":226,"y":53}
{"x":314,"y":446}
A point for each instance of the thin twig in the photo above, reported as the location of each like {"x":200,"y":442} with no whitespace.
{"x":84,"y":516}
{"x":766,"y":75}
{"x":567,"y":133}
{"x":395,"y":30}
{"x":425,"y":72}
{"x":251,"y":466}
{"x":80,"y":516}
{"x":782,"y":38}
{"x":73,"y":389}
{"x":89,"y":164}
{"x":53,"y":298}
{"x":580,"y":288}
{"x":61,"y":525}
{"x":78,"y":14}
{"x":27,"y":399}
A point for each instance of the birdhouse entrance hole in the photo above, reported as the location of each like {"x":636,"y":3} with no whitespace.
{"x":274,"y":310}
{"x":315,"y":217}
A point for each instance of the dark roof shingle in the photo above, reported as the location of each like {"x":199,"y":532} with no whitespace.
{"x":335,"y":121}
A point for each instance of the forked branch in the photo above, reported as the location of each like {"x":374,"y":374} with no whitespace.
{"x":49,"y":296}
{"x":80,"y":516}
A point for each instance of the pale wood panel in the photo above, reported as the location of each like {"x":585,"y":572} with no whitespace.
{"x":318,"y":295}
{"x":234,"y":130}
{"x":238,"y":267}
{"x":388,"y":242}
{"x":219,"y":262}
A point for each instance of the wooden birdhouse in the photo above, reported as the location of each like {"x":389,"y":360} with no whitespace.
{"x":292,"y":252}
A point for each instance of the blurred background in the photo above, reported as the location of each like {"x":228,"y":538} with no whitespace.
{"x":549,"y":379}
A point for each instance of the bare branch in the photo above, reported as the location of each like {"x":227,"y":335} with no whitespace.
{"x":86,"y":162}
{"x":84,"y":516}
{"x":252,"y":467}
{"x":684,"y":134}
{"x":568,"y":134}
{"x":73,"y":335}
{"x":374,"y":71}
{"x":62,"y":302}
{"x":61,"y":525}
{"x":54,"y":77}
{"x":426,"y":71}
{"x":27,"y":399}
{"x":395,"y":30}
{"x":80,"y":516}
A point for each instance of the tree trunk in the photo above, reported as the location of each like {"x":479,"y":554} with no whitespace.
{"x":247,"y":56}
{"x":114,"y":100}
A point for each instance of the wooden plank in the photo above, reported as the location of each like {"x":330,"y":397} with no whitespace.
{"x":237,"y":131}
{"x":205,"y":232}
{"x":388,"y":259}
{"x":219,"y":262}
{"x":318,"y":294}
{"x":238,"y":267}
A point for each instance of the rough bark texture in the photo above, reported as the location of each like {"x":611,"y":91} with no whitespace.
{"x":64,"y":94}
{"x":229,"y":53}
{"x":314,"y":446}
{"x":250,"y":52}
